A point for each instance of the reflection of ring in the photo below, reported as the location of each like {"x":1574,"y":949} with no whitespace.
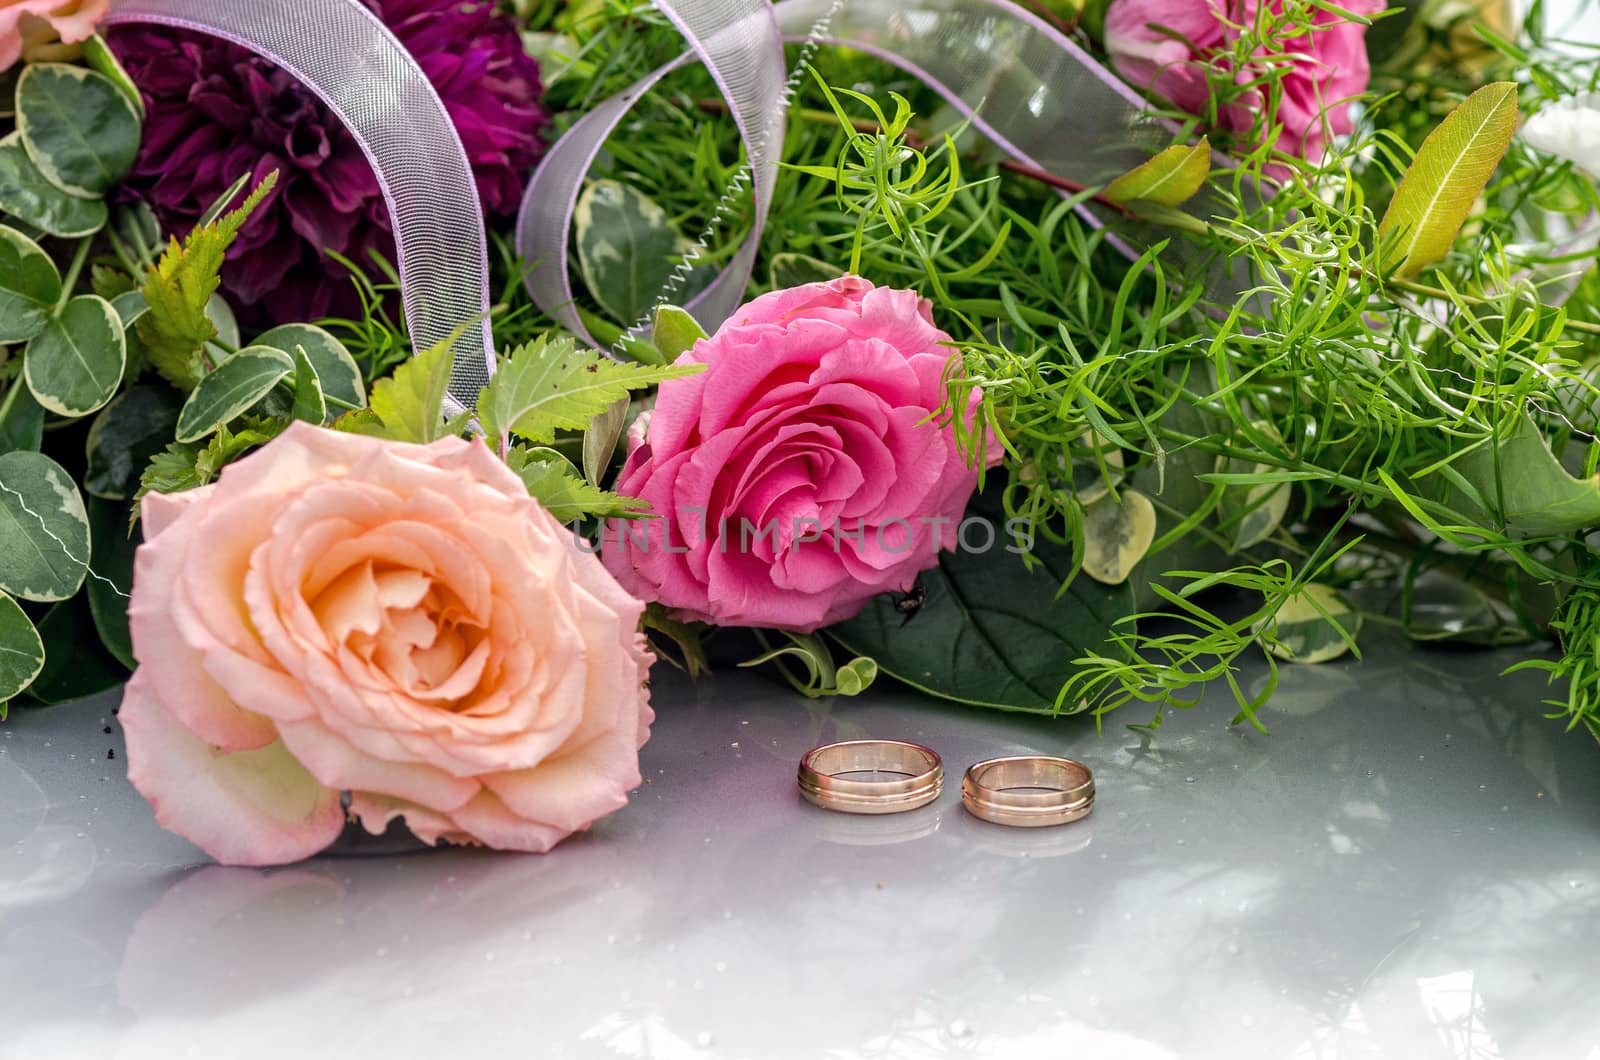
{"x":1031,"y":791}
{"x":917,"y":776}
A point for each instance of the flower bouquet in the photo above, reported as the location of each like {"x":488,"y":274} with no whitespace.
{"x":390,"y":399}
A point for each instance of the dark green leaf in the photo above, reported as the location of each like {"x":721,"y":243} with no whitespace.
{"x":21,"y":651}
{"x":991,"y":632}
{"x":114,"y":546}
{"x":30,"y":198}
{"x":21,"y":420}
{"x":239,"y":382}
{"x":75,"y":663}
{"x":794,"y":270}
{"x":30,"y":285}
{"x":126,"y":435}
{"x":627,"y":247}
{"x":75,"y":364}
{"x":78,"y":127}
{"x":44,"y":530}
{"x":340,"y":375}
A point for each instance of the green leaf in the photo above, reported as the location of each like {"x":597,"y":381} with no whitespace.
{"x":1525,"y":486}
{"x":126,"y":436}
{"x":238,"y":383}
{"x":75,"y":364}
{"x":30,"y":286}
{"x":21,"y":650}
{"x":627,"y":246}
{"x":1171,"y":178}
{"x":75,"y":664}
{"x":1445,"y":179}
{"x":101,"y":59}
{"x":26,"y":195}
{"x":178,"y":290}
{"x":340,"y":375}
{"x":554,"y":483}
{"x":410,"y":403}
{"x":309,"y":404}
{"x":1117,"y":532}
{"x":187,"y":465}
{"x":114,"y":546}
{"x":21,"y":420}
{"x":991,"y":632}
{"x":1314,"y":625}
{"x":549,"y":385}
{"x":78,"y":127}
{"x":794,"y":270}
{"x":44,"y":530}
{"x":675,"y":332}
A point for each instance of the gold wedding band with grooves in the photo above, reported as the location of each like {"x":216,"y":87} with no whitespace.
{"x":919,"y":776}
{"x":1029,"y":791}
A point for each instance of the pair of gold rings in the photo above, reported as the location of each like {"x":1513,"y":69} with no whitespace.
{"x":892,"y":776}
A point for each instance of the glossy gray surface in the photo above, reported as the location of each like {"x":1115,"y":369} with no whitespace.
{"x":1408,"y":867}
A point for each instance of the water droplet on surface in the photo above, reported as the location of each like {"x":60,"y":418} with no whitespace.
{"x":705,"y":1039}
{"x":1188,"y":780}
{"x":721,"y":966}
{"x":383,"y":951}
{"x":959,"y":1029}
{"x":1574,"y":884}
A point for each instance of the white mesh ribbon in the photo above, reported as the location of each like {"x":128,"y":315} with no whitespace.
{"x":345,"y":55}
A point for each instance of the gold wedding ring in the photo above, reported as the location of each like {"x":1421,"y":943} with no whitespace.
{"x":1030,"y":791}
{"x":826,"y":777}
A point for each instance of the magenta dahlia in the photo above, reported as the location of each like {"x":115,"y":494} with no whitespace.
{"x":217,"y":111}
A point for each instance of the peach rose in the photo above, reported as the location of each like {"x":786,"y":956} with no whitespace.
{"x":340,"y":623}
{"x":27,"y":22}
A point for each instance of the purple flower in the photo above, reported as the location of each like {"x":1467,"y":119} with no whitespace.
{"x":217,"y":111}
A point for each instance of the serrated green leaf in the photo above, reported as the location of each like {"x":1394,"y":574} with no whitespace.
{"x":178,"y":291}
{"x":309,"y":404}
{"x":78,"y":127}
{"x":126,"y":436}
{"x":1171,"y":178}
{"x":21,"y":419}
{"x":549,"y":385}
{"x":44,"y":530}
{"x":410,"y":403}
{"x":675,"y":332}
{"x":26,"y":195}
{"x":336,"y":368}
{"x":554,"y":483}
{"x":30,"y":285}
{"x":186,"y":465}
{"x":74,"y":365}
{"x":21,"y":650}
{"x":1444,"y":181}
{"x":238,"y":383}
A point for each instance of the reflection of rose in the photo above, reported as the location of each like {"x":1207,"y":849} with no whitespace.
{"x":28,"y":22}
{"x":806,"y":470}
{"x":341,"y":614}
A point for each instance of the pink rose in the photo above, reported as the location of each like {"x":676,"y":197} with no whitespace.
{"x":400,"y":623}
{"x":1165,"y":46}
{"x":805,"y":471}
{"x":25,"y":22}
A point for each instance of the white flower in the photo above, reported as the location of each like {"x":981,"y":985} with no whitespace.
{"x":1569,"y":129}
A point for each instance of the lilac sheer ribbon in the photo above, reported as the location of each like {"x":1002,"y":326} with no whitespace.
{"x":1026,"y":86}
{"x":349,"y":59}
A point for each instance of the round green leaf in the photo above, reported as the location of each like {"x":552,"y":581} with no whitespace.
{"x":75,"y":364}
{"x":78,"y":127}
{"x":30,"y":284}
{"x":238,"y":383}
{"x":21,"y":650}
{"x":27,"y":196}
{"x":44,"y":529}
{"x":1314,"y":625}
{"x":340,"y":375}
{"x":126,"y":435}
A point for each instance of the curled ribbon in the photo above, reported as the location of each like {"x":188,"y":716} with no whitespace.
{"x":1026,"y":86}
{"x":349,"y":59}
